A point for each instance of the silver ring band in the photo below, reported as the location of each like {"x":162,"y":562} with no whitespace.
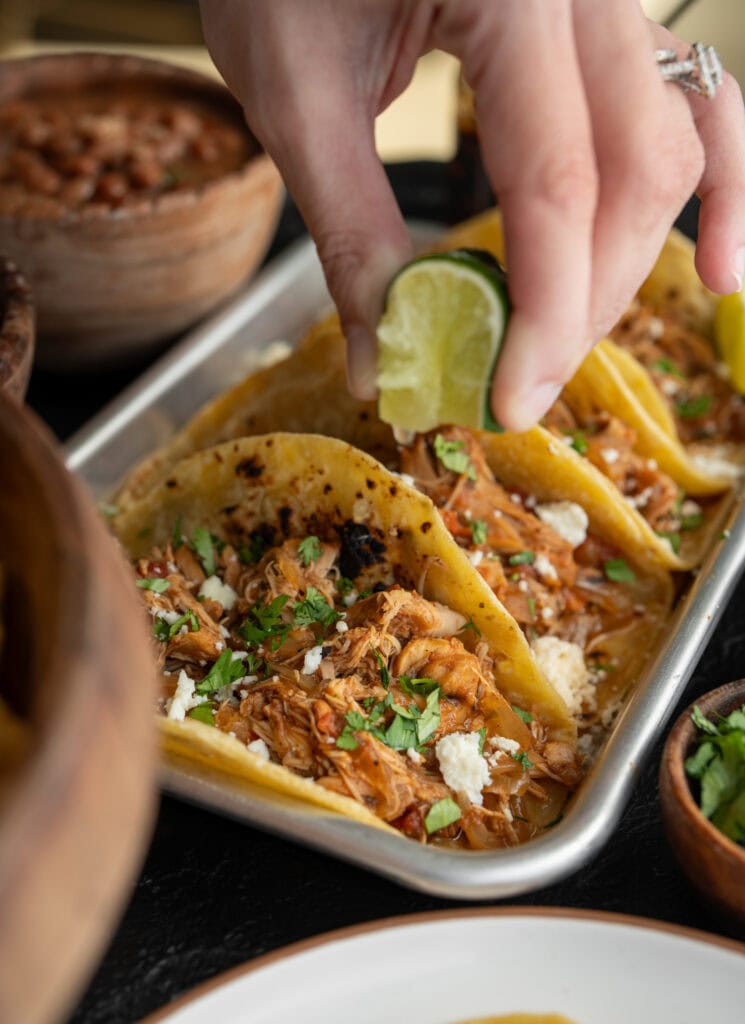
{"x":700,"y":71}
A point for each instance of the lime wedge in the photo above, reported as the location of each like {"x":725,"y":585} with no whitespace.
{"x":438,"y":341}
{"x":729,"y":332}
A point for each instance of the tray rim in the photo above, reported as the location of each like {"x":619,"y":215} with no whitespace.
{"x":602,"y":796}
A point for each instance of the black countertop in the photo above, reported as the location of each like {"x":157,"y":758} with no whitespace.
{"x":213,"y":893}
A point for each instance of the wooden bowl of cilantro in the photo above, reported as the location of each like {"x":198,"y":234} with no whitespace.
{"x":702,"y":794}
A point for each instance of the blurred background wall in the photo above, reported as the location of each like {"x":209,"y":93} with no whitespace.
{"x":420,"y":125}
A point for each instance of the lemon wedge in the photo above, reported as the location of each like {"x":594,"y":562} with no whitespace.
{"x":438,"y":341}
{"x":729,"y":333}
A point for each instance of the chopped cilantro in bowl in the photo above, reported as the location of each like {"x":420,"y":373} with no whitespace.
{"x":716,"y":769}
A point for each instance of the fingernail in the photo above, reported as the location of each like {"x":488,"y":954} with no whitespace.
{"x":362,"y":363}
{"x":524,"y":409}
{"x":739,"y":267}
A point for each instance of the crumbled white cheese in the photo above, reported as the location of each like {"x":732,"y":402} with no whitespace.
{"x":523,"y":585}
{"x":640,"y":500}
{"x":568,"y":519}
{"x":341,"y":626}
{"x":413,"y":754}
{"x":350,"y":598}
{"x":313,"y":659}
{"x":652,"y":464}
{"x":531,"y":501}
{"x":553,"y":450}
{"x":515,"y":497}
{"x":169,"y":617}
{"x":463,"y":768}
{"x":547,"y":613}
{"x":475,"y":557}
{"x":214,"y":589}
{"x":184,"y":698}
{"x":609,"y":455}
{"x":407,"y":479}
{"x":225,"y":632}
{"x":497,"y":513}
{"x":655,"y":327}
{"x":505,"y":744}
{"x":563,"y":664}
{"x":690,"y":508}
{"x":545,"y":568}
{"x":238,"y":655}
{"x":722,"y":370}
{"x":259,"y":748}
{"x":219,"y":645}
{"x":716,"y":463}
{"x":670,"y":386}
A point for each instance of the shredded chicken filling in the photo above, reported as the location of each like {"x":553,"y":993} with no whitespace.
{"x":348,"y":681}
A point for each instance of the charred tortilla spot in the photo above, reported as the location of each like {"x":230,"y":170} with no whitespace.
{"x":426,"y":527}
{"x":393,"y":490}
{"x":269,"y":442}
{"x":171,"y":483}
{"x":218,"y":457}
{"x":285,"y":514}
{"x":358,"y":549}
{"x":328,"y":488}
{"x":371,"y":485}
{"x":250,"y":467}
{"x":359,"y":495}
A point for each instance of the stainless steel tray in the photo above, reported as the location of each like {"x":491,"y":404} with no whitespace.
{"x":282,"y":302}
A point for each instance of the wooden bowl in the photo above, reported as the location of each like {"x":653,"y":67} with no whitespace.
{"x":110,"y":283}
{"x":714,"y":864}
{"x":76,"y":671}
{"x":16,"y":330}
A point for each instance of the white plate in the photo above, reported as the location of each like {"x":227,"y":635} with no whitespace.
{"x":443,"y":968}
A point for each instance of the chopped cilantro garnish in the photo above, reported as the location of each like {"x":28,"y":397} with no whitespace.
{"x":470,"y":625}
{"x":429,"y":721}
{"x":482,"y":738}
{"x":254,"y":665}
{"x":412,"y":685}
{"x":441,"y":814}
{"x":618,"y":571}
{"x":109,"y":511}
{"x":666,"y":365}
{"x":202,"y":541}
{"x":344,"y":585}
{"x":531,"y":608}
{"x":178,"y":539}
{"x":522,"y":558}
{"x":401,"y":733}
{"x":309,"y":550}
{"x":154,"y":583}
{"x":251,"y":552}
{"x":203,"y":713}
{"x":264,"y":622}
{"x":478,"y":530}
{"x":357,"y":722}
{"x":345,"y":740}
{"x":524,"y":715}
{"x":691,"y":522}
{"x":718,"y":763}
{"x":523,"y":760}
{"x":453,"y":456}
{"x":579,"y":442}
{"x":672,"y":538}
{"x":694,"y":407}
{"x":385,"y":676}
{"x":315,"y":608}
{"x":163,"y":631}
{"x":224,"y":672}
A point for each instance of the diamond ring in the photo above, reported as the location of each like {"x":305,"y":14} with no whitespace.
{"x":699,"y":71}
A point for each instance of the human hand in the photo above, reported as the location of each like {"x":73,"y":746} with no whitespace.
{"x":590,"y":154}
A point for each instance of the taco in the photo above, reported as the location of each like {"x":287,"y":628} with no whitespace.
{"x":322,"y":635}
{"x":667,"y":336}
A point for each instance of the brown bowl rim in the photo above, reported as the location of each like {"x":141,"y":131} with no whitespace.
{"x":104,"y":63}
{"x":17,"y":322}
{"x":677,"y":749}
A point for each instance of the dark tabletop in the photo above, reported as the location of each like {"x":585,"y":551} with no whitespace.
{"x":214,"y":893}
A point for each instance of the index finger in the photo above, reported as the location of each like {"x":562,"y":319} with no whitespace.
{"x":537,"y":146}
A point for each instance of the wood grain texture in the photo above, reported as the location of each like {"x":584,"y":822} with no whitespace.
{"x":76,"y":665}
{"x":16,"y":330}
{"x":714,"y":864}
{"x":110,"y":284}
